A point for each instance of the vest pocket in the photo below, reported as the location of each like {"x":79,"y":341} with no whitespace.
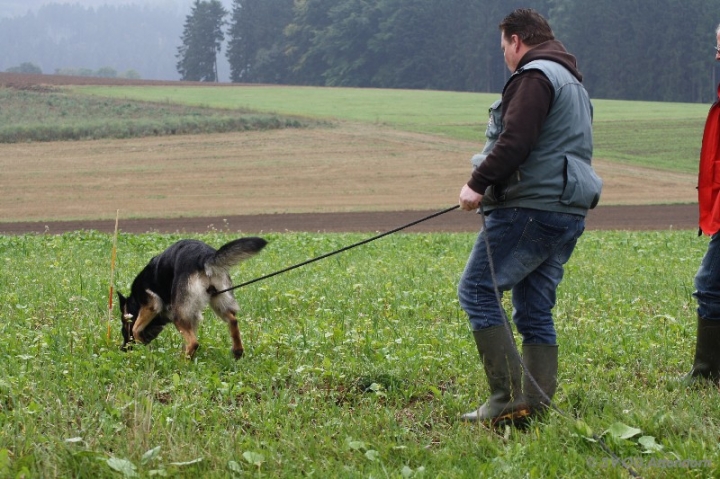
{"x":582,"y":185}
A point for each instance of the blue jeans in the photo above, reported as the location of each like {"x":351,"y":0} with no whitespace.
{"x":529,"y":248}
{"x":707,"y":282}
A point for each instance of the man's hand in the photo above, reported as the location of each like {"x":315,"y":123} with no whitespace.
{"x":469,"y":199}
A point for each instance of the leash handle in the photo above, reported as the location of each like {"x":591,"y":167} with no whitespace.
{"x":341,"y":250}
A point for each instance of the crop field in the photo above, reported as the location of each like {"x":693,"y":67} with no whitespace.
{"x":357,"y":365}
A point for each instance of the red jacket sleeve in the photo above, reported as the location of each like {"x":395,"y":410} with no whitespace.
{"x":709,"y":174}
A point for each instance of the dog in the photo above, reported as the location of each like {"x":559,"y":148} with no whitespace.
{"x":177,"y":285}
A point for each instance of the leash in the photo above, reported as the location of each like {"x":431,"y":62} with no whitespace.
{"x":526,"y":372}
{"x":491,"y":264}
{"x":341,"y":250}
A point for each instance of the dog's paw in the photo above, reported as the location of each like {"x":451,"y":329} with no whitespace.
{"x":190,"y":350}
{"x":238,"y":353}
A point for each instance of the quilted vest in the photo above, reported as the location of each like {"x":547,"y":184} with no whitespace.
{"x":558,"y":173}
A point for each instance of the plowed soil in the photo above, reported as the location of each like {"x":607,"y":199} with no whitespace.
{"x":351,"y":177}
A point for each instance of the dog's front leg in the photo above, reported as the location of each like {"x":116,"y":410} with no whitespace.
{"x":145,"y":316}
{"x":237,"y":345}
{"x":188,"y":334}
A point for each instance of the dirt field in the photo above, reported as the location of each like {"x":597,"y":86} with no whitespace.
{"x":360,"y":177}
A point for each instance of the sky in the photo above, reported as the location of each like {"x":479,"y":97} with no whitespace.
{"x":18,"y":8}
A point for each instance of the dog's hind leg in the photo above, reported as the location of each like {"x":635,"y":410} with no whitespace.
{"x":226,"y":307}
{"x":237,"y":345}
{"x":188,"y":334}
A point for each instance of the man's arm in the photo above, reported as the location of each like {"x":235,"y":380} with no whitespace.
{"x":526,"y":102}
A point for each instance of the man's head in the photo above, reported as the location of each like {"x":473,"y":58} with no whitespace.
{"x":717,"y":45}
{"x":521,"y":31}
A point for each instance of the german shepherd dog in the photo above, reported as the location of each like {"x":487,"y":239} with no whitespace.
{"x":177,"y":285}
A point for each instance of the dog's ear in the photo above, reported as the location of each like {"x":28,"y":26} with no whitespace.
{"x":122,"y":301}
{"x":125,"y":326}
{"x":125,"y":315}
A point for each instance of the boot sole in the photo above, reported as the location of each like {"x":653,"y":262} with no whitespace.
{"x":518,"y":418}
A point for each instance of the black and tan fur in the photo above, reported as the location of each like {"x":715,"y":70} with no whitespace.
{"x":178,"y":284}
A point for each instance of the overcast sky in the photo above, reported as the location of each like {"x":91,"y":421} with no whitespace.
{"x":16,"y":8}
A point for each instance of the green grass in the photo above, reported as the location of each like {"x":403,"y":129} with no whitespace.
{"x":657,"y":144}
{"x":356,"y":366}
{"x":28,"y":115}
{"x":463,"y":115}
{"x":653,"y":134}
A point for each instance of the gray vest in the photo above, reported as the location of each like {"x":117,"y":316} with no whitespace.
{"x":558,"y":173}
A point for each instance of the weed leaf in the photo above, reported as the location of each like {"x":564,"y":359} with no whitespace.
{"x":356,"y":445}
{"x":648,"y":442}
{"x":123,"y":466}
{"x":254,"y":458}
{"x":150,"y":455}
{"x":235,"y":467}
{"x":622,"y":431}
{"x":373,"y":455}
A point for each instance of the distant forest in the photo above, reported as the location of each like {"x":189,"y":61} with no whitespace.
{"x":626,"y":49}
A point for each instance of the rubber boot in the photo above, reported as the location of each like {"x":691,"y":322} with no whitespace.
{"x":504,"y":374}
{"x":541,"y":361}
{"x":707,"y":353}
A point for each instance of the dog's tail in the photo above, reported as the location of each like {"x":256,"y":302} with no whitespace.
{"x":236,"y":251}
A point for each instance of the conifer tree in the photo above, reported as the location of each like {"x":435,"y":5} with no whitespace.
{"x":201,"y":41}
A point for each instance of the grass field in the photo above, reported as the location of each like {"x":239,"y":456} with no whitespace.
{"x":356,"y":366}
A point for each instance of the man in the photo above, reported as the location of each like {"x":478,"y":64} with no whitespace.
{"x":534,"y":187}
{"x":707,"y":279}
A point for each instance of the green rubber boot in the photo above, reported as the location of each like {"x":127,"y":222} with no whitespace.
{"x":504,"y":374}
{"x":707,"y":353}
{"x":541,"y":361}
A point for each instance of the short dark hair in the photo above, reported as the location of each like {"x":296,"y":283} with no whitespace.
{"x":528,"y":25}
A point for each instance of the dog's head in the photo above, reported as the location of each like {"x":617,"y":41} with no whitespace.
{"x":129,"y":309}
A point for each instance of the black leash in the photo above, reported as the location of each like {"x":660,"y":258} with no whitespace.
{"x":341,"y":250}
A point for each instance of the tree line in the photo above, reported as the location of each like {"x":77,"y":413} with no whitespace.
{"x":627,"y":49}
{"x":132,"y":40}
